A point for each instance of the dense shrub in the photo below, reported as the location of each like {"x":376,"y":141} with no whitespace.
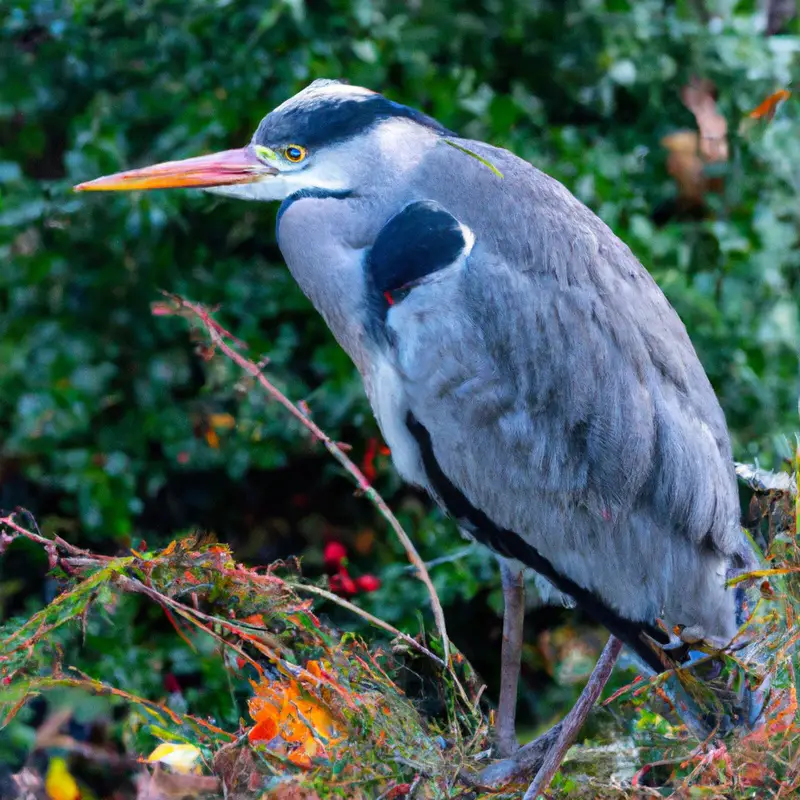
{"x":112,"y":428}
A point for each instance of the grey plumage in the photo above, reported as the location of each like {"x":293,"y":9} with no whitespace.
{"x":560,"y":389}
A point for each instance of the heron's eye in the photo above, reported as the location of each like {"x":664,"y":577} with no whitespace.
{"x":295,"y":153}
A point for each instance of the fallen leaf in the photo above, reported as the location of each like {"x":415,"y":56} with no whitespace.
{"x":165,"y":786}
{"x":293,"y":725}
{"x":59,"y":783}
{"x":222,"y":422}
{"x":766,"y":109}
{"x":292,"y":791}
{"x":180,"y":757}
{"x":364,"y":541}
{"x":170,"y":548}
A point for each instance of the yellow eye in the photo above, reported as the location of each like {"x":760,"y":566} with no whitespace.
{"x":295,"y":153}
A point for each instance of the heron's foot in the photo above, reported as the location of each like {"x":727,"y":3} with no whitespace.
{"x":523,"y":764}
{"x":544,"y":755}
{"x":506,"y":743}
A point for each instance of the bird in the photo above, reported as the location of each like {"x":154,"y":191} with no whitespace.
{"x":522,"y":364}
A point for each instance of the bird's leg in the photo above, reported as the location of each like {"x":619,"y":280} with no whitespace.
{"x":510,"y":657}
{"x":544,"y":754}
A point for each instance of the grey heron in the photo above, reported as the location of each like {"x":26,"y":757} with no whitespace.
{"x":522,"y":364}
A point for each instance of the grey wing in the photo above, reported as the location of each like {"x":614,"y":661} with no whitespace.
{"x":577,"y":419}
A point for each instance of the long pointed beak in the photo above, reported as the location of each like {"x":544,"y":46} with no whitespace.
{"x":219,"y":169}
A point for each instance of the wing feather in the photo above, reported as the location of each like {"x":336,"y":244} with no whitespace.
{"x":576,"y":414}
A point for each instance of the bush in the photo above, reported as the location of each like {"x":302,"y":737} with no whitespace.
{"x":113,"y":428}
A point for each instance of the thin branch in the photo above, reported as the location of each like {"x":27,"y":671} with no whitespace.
{"x":448,"y":559}
{"x":762,"y":480}
{"x":318,"y":590}
{"x":9,"y":522}
{"x":218,"y":335}
{"x":573,"y":722}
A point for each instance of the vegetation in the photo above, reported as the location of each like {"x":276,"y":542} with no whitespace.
{"x":120,"y":434}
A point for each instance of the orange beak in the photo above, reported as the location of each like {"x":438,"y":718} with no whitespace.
{"x":219,"y":169}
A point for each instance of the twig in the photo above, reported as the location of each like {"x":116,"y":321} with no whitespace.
{"x":193,"y":615}
{"x":762,"y":480}
{"x":334,"y":598}
{"x":573,"y":722}
{"x":218,"y":335}
{"x":448,"y":559}
{"x":57,"y":541}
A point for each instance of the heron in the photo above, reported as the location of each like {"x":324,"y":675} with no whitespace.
{"x":522,"y":364}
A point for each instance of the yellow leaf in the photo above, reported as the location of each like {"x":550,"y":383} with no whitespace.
{"x":222,"y":422}
{"x":212,"y":438}
{"x":180,"y":757}
{"x":58,"y":783}
{"x":169,"y":549}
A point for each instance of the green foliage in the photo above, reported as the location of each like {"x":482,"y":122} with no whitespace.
{"x":260,"y":628}
{"x":100,"y":401}
{"x":103,"y":405}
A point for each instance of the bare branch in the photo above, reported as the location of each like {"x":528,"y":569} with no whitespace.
{"x":218,"y":336}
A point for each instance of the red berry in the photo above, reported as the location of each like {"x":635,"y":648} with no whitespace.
{"x":368,"y":583}
{"x":333,"y":556}
{"x":368,"y":464}
{"x":342,"y":584}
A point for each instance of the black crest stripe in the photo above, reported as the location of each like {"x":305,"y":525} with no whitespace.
{"x":323,"y":119}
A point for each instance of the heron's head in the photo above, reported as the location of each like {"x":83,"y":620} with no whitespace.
{"x":331,"y":136}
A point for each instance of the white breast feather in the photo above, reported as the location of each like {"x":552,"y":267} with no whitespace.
{"x":389,"y":404}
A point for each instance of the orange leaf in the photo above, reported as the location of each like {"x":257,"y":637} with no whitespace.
{"x":263,"y":731}
{"x":303,"y":725}
{"x":767,"y":108}
{"x":222,"y":421}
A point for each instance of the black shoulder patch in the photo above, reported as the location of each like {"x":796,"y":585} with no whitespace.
{"x":509,"y":544}
{"x":422,"y":239}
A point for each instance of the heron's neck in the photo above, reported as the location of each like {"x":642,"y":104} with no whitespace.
{"x":323,"y":237}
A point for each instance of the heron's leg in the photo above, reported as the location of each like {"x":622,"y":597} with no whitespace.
{"x":510,"y":657}
{"x":544,"y":754}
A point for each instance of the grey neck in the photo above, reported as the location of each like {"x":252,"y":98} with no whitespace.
{"x":324,"y":237}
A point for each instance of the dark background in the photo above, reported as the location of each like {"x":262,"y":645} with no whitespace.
{"x":114,"y":430}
